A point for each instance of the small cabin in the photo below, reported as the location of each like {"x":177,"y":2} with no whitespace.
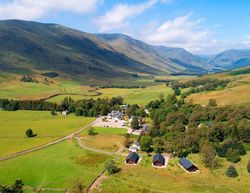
{"x":132,"y":158}
{"x":188,"y":165}
{"x":158,"y":160}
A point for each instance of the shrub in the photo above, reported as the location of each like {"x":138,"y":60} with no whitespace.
{"x":231,"y":172}
{"x":92,"y":131}
{"x":17,"y":187}
{"x":77,"y":186}
{"x":29,"y":133}
{"x":135,"y":123}
{"x":112,"y":168}
{"x":233,"y":155}
{"x":53,"y":113}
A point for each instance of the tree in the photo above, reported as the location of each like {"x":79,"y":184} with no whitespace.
{"x":233,"y":155}
{"x":146,"y":143}
{"x":212,"y":103}
{"x":231,"y":172}
{"x":77,"y":186}
{"x":79,"y":111}
{"x":111,"y":167}
{"x":209,"y":156}
{"x":127,"y":142}
{"x":248,"y":166}
{"x":29,"y":133}
{"x":135,"y":123}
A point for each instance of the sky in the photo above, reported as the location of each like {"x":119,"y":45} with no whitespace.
{"x":200,"y":26}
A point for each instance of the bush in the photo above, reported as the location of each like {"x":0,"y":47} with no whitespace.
{"x":112,"y":168}
{"x":233,"y":155}
{"x":53,"y":113}
{"x":29,"y":133}
{"x":92,"y":131}
{"x":248,"y":166}
{"x":135,"y":123}
{"x":17,"y":187}
{"x":231,"y":172}
{"x":77,"y":186}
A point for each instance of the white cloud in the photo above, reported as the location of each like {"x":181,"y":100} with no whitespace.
{"x":181,"y":32}
{"x":34,"y":9}
{"x":190,"y":34}
{"x":118,"y":16}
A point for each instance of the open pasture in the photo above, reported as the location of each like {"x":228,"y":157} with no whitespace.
{"x":47,"y":127}
{"x":54,"y":167}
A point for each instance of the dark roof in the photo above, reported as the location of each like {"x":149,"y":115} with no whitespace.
{"x":186,"y":163}
{"x":133,"y":156}
{"x":158,"y":157}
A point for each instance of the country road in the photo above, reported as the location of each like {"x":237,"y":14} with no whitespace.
{"x":46,"y":145}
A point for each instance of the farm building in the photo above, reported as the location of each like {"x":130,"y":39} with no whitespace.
{"x":158,"y":160}
{"x":132,"y":158}
{"x":188,"y":165}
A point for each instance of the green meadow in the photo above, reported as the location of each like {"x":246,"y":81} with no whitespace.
{"x":53,"y":167}
{"x":47,"y":127}
{"x":144,"y":178}
{"x":140,"y":96}
{"x":107,"y":131}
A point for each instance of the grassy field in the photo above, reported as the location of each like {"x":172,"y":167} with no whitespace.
{"x":144,"y":178}
{"x":26,"y":90}
{"x":237,"y":92}
{"x":139,"y":96}
{"x":54,"y":167}
{"x":47,"y":127}
{"x":107,"y":139}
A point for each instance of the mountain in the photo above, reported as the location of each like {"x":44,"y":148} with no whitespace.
{"x":169,"y":60}
{"x":31,"y":47}
{"x":231,"y":59}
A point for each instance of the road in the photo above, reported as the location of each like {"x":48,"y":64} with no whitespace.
{"x":46,"y":145}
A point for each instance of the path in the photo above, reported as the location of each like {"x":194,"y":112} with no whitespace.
{"x":46,"y":145}
{"x":96,"y":182}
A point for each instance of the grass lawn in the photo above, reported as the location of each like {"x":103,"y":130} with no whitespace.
{"x":47,"y":127}
{"x":107,"y":139}
{"x":173,"y":179}
{"x":247,"y":146}
{"x":53,"y":167}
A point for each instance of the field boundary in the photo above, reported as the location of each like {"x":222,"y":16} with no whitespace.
{"x":47,"y":144}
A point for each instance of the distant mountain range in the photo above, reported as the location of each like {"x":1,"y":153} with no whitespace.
{"x":31,"y":47}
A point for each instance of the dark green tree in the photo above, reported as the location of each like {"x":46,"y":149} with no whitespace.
{"x":112,"y":167}
{"x":146,"y":143}
{"x":231,"y":172}
{"x":135,"y":123}
{"x":29,"y":133}
{"x":248,"y":166}
{"x":209,"y":156}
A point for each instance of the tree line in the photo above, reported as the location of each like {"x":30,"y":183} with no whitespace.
{"x":197,"y":85}
{"x":85,"y":107}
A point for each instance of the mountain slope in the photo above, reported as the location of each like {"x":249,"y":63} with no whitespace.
{"x":170,"y":60}
{"x":231,"y":59}
{"x":27,"y":47}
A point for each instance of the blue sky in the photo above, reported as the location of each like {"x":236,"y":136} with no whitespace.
{"x":200,"y":26}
